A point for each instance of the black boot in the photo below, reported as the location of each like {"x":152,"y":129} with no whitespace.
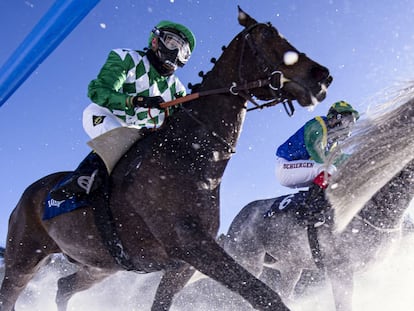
{"x":88,"y":176}
{"x":315,"y":206}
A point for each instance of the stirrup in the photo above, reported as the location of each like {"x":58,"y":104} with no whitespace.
{"x":86,"y":182}
{"x":320,"y":221}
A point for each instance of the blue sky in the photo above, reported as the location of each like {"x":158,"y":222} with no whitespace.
{"x":368,"y":46}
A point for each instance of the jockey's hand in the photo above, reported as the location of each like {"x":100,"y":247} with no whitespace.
{"x":147,"y":102}
{"x":322,"y":179}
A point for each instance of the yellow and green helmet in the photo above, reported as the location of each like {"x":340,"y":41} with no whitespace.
{"x":342,"y":107}
{"x":181,"y":29}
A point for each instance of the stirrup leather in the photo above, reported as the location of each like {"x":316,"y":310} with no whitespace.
{"x":86,"y":182}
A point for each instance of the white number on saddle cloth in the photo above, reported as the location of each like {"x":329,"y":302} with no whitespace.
{"x":285,"y":202}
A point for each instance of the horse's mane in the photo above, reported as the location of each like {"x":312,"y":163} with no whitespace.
{"x":381,"y":145}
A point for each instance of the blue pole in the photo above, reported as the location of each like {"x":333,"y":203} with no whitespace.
{"x":50,"y":31}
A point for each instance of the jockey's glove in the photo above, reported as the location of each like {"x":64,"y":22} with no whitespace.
{"x":322,"y":179}
{"x":147,"y":102}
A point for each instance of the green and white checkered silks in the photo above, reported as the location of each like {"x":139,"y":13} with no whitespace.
{"x":145,"y":78}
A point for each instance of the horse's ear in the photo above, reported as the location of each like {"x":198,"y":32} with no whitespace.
{"x":245,"y":19}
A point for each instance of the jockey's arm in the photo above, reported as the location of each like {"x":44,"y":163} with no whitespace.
{"x":315,"y":136}
{"x":104,"y":90}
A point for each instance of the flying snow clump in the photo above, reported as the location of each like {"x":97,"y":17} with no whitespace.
{"x":290,"y":58}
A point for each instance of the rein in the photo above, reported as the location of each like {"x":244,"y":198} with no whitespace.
{"x":234,"y":89}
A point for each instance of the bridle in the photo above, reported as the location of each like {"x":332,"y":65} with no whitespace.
{"x":276,"y":79}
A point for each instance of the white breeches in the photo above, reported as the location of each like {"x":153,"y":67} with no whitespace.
{"x":98,"y":120}
{"x":299,"y":173}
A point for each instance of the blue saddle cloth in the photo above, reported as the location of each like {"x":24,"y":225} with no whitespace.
{"x":55,"y":208}
{"x":291,"y":203}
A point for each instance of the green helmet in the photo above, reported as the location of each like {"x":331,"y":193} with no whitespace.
{"x":181,"y":29}
{"x":341,"y":107}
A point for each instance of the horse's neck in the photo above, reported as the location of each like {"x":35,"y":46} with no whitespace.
{"x":223,"y":113}
{"x":388,"y":206}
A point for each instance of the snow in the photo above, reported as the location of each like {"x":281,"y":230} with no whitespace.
{"x":386,"y":286}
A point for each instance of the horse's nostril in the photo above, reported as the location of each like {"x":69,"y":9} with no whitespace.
{"x":328,"y":81}
{"x":320,"y":74}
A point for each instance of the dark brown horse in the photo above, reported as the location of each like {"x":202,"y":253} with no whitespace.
{"x":165,"y":190}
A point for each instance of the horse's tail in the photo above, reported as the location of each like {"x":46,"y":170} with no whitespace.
{"x":381,"y":148}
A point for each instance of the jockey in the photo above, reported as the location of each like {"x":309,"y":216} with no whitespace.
{"x":300,"y":159}
{"x":128,"y":91}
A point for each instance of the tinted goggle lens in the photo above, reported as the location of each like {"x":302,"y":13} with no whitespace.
{"x":173,"y":42}
{"x":346,"y":120}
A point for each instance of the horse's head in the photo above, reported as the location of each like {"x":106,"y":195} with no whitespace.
{"x":265,"y":54}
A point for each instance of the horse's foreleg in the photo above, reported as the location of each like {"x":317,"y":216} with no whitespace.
{"x":76,"y":282}
{"x":173,"y":280}
{"x":272,"y":278}
{"x":342,"y":288}
{"x":202,"y":252}
{"x":250,"y":255}
{"x":289,"y":277}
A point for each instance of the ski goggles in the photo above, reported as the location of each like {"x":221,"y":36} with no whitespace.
{"x":345,"y":120}
{"x":173,"y":41}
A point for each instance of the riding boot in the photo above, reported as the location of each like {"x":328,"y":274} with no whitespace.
{"x":315,"y":201}
{"x":314,"y":206}
{"x":87,"y":177}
